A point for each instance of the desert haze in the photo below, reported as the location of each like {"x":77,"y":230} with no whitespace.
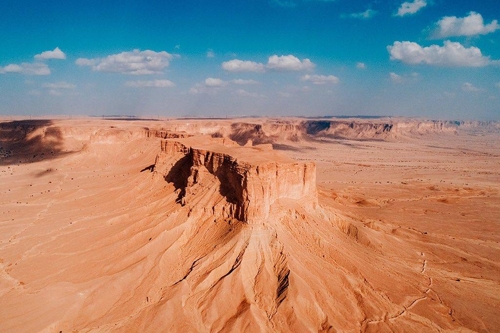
{"x":249,"y":225}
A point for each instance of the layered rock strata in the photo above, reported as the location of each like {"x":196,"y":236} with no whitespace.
{"x":251,"y":178}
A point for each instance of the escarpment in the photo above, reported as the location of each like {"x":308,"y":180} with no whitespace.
{"x":251,"y":178}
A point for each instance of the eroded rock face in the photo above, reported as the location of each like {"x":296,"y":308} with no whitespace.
{"x":250,"y":178}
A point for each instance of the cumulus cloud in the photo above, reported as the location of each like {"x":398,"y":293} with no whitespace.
{"x":150,"y":84}
{"x":289,"y":63}
{"x":55,"y":54}
{"x":410,"y":8}
{"x":26,"y":68}
{"x":135,"y":62}
{"x":321,"y":79}
{"x":360,"y":65}
{"x":471,"y":25}
{"x":450,"y":54}
{"x":369,"y":13}
{"x":214,"y":83}
{"x":237,"y":65}
{"x":278,"y":63}
{"x":469,"y":87}
{"x":241,"y":81}
{"x":59,"y":85}
{"x":210,"y":53}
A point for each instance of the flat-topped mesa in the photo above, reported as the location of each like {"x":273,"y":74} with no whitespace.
{"x":165,"y":134}
{"x":251,"y":178}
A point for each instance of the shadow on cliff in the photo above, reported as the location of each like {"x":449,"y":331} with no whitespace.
{"x":308,"y":131}
{"x":242,"y":132}
{"x":180,"y":172}
{"x":28,"y":141}
{"x":230,"y":185}
{"x":315,"y":127}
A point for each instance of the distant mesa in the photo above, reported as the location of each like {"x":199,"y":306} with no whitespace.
{"x":295,"y":130}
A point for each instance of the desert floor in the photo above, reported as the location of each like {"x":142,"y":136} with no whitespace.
{"x":406,"y":236}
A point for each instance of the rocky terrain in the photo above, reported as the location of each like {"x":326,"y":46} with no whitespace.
{"x":268,"y":225}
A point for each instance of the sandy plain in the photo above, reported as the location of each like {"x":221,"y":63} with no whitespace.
{"x":102,"y":231}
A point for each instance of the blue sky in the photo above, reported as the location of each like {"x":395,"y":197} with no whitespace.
{"x":427,"y":58}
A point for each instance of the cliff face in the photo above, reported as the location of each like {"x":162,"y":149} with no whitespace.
{"x":250,"y":187}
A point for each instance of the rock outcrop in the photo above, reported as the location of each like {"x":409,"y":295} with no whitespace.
{"x":274,"y":131}
{"x":251,"y":178}
{"x":164,"y":134}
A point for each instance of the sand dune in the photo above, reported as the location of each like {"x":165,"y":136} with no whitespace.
{"x":347,"y":225}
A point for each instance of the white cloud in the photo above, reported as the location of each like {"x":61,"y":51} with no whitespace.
{"x":26,"y":68}
{"x":289,"y":63}
{"x":410,"y":8}
{"x":241,"y":81}
{"x":150,"y":84}
{"x":237,"y":65}
{"x":469,"y":87}
{"x":135,"y":62}
{"x":471,"y":25}
{"x":369,"y":13}
{"x":395,"y":77}
{"x":214,"y":83}
{"x":210,"y":53}
{"x":55,"y":54}
{"x":451,"y":54}
{"x":279,"y":63}
{"x":12,"y":68}
{"x":360,"y":65}
{"x":321,"y":79}
{"x":59,"y":85}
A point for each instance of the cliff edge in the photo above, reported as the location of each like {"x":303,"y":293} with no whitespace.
{"x":250,"y":178}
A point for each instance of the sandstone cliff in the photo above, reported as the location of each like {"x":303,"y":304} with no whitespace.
{"x":251,"y":178}
{"x":274,"y":131}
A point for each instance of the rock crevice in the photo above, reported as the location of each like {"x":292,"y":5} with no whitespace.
{"x":251,"y":178}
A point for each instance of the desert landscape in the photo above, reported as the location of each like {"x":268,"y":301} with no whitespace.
{"x":249,"y":225}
